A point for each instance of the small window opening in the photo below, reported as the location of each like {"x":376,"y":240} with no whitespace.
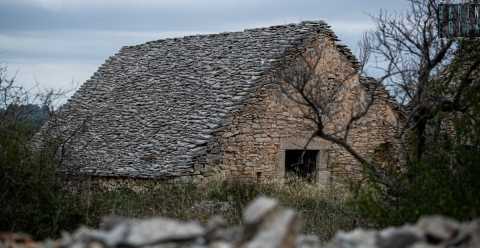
{"x":259,"y":177}
{"x":301,"y":164}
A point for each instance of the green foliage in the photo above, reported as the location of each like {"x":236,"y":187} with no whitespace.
{"x":445,"y":184}
{"x":31,"y":197}
{"x":445,"y":181}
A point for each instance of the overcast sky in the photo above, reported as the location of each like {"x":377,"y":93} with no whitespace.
{"x":60,"y":43}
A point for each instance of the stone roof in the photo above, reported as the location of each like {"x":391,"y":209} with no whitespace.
{"x":152,"y":108}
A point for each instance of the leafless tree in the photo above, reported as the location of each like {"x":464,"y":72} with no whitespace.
{"x":428,"y":75}
{"x":424,"y":73}
{"x":15,"y":98}
{"x":321,"y":96}
{"x":17,"y":108}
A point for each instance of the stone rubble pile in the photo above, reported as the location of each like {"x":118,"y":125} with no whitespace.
{"x":265,"y":224}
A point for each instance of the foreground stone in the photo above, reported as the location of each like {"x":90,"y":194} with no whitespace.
{"x":266,"y":224}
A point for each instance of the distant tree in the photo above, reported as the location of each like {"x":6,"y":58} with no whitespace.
{"x":19,"y":105}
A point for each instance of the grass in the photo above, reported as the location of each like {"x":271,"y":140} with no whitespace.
{"x":323,"y":212}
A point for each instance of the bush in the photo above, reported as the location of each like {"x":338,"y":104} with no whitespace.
{"x":445,"y":181}
{"x":32,"y":199}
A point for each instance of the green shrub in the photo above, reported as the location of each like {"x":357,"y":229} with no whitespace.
{"x":31,"y":197}
{"x":444,"y":182}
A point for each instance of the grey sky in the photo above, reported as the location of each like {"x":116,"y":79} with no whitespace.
{"x":55,"y":42}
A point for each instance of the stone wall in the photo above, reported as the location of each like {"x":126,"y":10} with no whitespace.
{"x":373,"y":136}
{"x":252,"y":147}
{"x":265,"y":224}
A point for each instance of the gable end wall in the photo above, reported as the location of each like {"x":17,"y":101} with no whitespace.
{"x":252,"y":147}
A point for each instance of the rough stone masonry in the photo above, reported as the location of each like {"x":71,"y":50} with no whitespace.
{"x":204,"y":106}
{"x":265,"y":225}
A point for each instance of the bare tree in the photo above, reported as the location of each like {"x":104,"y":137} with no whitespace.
{"x":427,"y":74}
{"x":321,"y":96}
{"x":17,"y":101}
{"x":18,"y":108}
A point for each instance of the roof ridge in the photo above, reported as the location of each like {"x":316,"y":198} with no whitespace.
{"x":319,"y":23}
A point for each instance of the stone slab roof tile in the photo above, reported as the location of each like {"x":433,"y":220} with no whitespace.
{"x":152,"y":107}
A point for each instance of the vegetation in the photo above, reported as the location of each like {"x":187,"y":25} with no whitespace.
{"x":436,"y":82}
{"x":444,"y":183}
{"x":322,"y":216}
{"x":37,"y":204}
{"x":34,"y":200}
{"x":31,"y":197}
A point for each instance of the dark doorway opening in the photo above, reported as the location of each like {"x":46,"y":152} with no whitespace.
{"x":301,"y":164}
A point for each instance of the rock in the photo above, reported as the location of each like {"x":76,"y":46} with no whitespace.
{"x":162,"y":230}
{"x":215,"y":223}
{"x":438,"y":229}
{"x":266,"y":225}
{"x":402,"y":237}
{"x":257,"y":210}
{"x":220,"y":245}
{"x":218,"y":230}
{"x":358,"y":238}
{"x":468,"y":236}
{"x":137,"y":233}
{"x":280,"y":230}
{"x":308,"y":241}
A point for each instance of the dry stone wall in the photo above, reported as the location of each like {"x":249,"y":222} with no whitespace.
{"x":265,"y":225}
{"x":252,"y":146}
{"x":373,"y":136}
{"x":253,"y":143}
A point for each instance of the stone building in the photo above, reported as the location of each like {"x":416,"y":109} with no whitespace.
{"x":205,"y":106}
